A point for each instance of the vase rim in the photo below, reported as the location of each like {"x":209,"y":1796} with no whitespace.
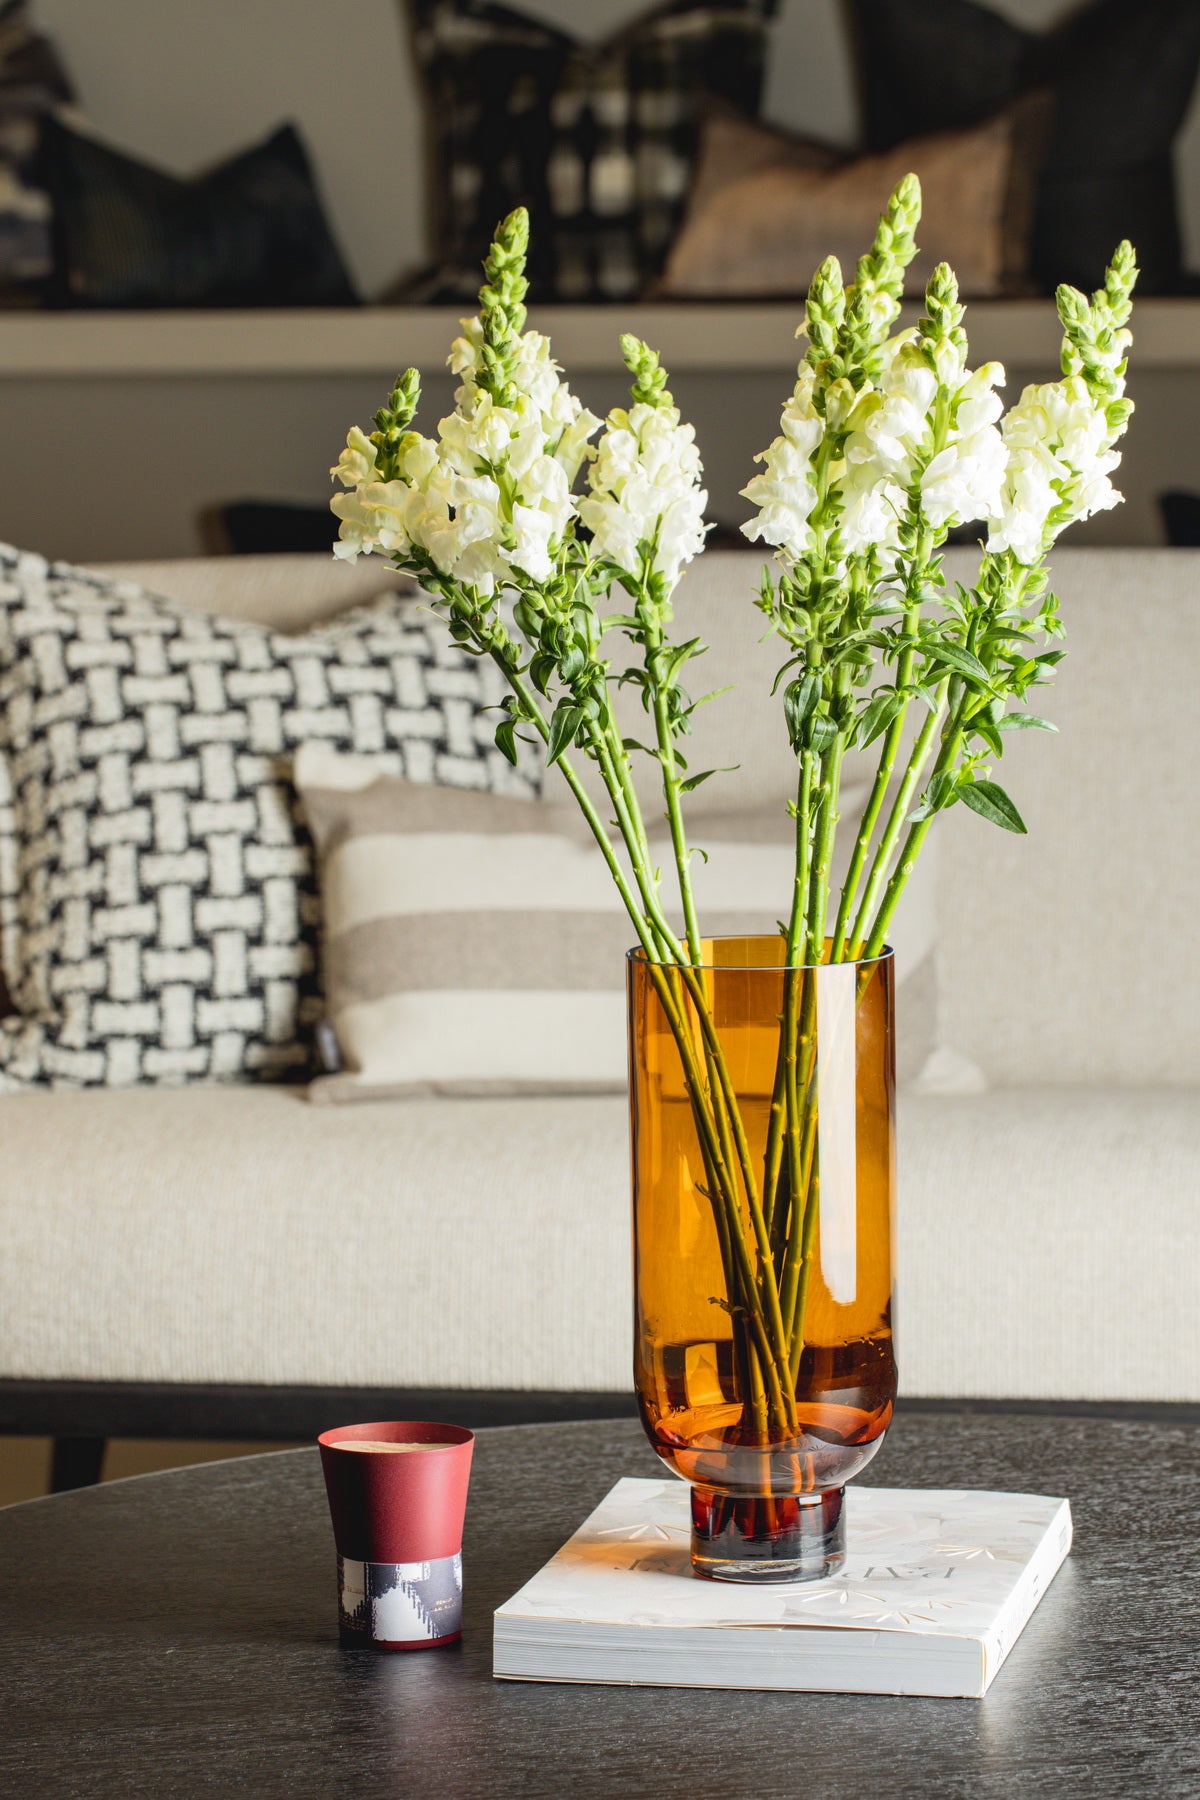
{"x":637,"y":954}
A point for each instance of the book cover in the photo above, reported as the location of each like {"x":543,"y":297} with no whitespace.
{"x":936,"y":1588}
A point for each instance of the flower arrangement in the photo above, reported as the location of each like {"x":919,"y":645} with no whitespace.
{"x":520,"y":528}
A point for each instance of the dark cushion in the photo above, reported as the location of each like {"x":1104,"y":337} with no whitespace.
{"x":32,"y":83}
{"x":1121,"y":76}
{"x":1181,"y":519}
{"x":251,"y":232}
{"x":274,"y":528}
{"x":597,"y":140}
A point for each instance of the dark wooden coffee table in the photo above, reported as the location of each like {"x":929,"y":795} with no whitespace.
{"x":175,"y":1635}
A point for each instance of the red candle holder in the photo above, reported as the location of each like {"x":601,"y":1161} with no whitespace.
{"x":397,"y":1496}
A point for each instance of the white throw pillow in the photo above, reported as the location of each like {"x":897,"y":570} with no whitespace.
{"x":475,"y":944}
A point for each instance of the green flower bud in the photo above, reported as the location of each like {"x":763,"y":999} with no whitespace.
{"x":502,"y":304}
{"x":825,"y":310}
{"x":649,"y":378}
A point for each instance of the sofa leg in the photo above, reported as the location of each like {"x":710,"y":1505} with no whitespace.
{"x":76,"y":1463}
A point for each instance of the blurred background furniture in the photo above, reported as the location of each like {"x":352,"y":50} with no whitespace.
{"x":226,"y":1261}
{"x":252,"y":199}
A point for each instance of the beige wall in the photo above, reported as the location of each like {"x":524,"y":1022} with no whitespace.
{"x":152,"y":452}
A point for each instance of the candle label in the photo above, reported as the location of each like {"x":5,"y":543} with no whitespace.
{"x":400,"y":1603}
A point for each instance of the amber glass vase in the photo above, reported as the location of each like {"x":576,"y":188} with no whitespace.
{"x":762,"y":1115}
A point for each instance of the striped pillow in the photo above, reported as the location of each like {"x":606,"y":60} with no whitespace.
{"x":474,"y":944}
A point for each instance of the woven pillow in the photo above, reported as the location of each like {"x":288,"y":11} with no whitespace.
{"x":476,"y":944}
{"x":767,"y":207}
{"x":158,"y":905}
{"x":596,"y":139}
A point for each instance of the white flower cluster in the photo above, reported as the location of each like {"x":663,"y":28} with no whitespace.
{"x":645,"y":487}
{"x":786,"y":493}
{"x":887,"y":425}
{"x":1059,"y":456}
{"x":490,"y":497}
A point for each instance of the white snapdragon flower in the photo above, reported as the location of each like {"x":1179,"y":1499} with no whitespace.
{"x":786,"y":492}
{"x":491,"y":494}
{"x":886,"y":426}
{"x":358,"y":529}
{"x":645,"y":486}
{"x":1059,"y":456}
{"x":960,"y":482}
{"x":357,"y":462}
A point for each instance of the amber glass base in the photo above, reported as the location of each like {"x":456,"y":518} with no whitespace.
{"x":768,"y":1539}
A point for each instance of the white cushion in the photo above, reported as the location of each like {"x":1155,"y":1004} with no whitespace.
{"x":1047,"y":1241}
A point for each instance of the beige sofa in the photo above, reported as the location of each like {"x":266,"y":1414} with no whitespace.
{"x":218,"y":1241}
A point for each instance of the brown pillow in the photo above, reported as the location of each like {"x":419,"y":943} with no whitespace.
{"x":767,"y":207}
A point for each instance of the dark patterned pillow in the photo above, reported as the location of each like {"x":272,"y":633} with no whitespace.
{"x":1121,"y":77}
{"x":158,"y":902}
{"x":597,"y":140}
{"x":32,"y":83}
{"x":251,"y":232}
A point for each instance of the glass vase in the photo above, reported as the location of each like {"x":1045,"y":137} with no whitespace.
{"x":762,"y":1118}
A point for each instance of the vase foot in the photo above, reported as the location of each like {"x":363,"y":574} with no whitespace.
{"x":781,"y":1537}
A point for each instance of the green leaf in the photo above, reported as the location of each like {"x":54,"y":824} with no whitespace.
{"x":954,"y":656}
{"x":799,"y":698}
{"x":821,"y":734}
{"x":789,"y":664}
{"x":938,"y":794}
{"x":563,"y":728}
{"x":877,"y":715}
{"x":714,"y":695}
{"x":693,"y":781}
{"x":983,"y":728}
{"x":991,"y":802}
{"x":541,"y":669}
{"x":506,"y":740}
{"x":673,"y":659}
{"x":1025,"y":722}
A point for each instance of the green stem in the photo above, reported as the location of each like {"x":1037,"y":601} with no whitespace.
{"x":670,"y":781}
{"x":796,"y":931}
{"x":826,"y":827}
{"x":902,"y":805}
{"x":883,"y":776}
{"x":951,"y":744}
{"x":759,"y":1292}
{"x":729,"y":1118}
{"x":633,"y":834}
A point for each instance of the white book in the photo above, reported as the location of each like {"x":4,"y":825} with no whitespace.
{"x":937,"y":1586}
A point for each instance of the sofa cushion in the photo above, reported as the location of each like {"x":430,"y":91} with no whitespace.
{"x":157,"y":897}
{"x":251,"y":232}
{"x":1072,"y":955}
{"x":595,"y":138}
{"x":476,"y":943}
{"x":767,"y":208}
{"x":1047,"y":1242}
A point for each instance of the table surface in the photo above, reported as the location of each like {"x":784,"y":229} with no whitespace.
{"x":175,"y":1635}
